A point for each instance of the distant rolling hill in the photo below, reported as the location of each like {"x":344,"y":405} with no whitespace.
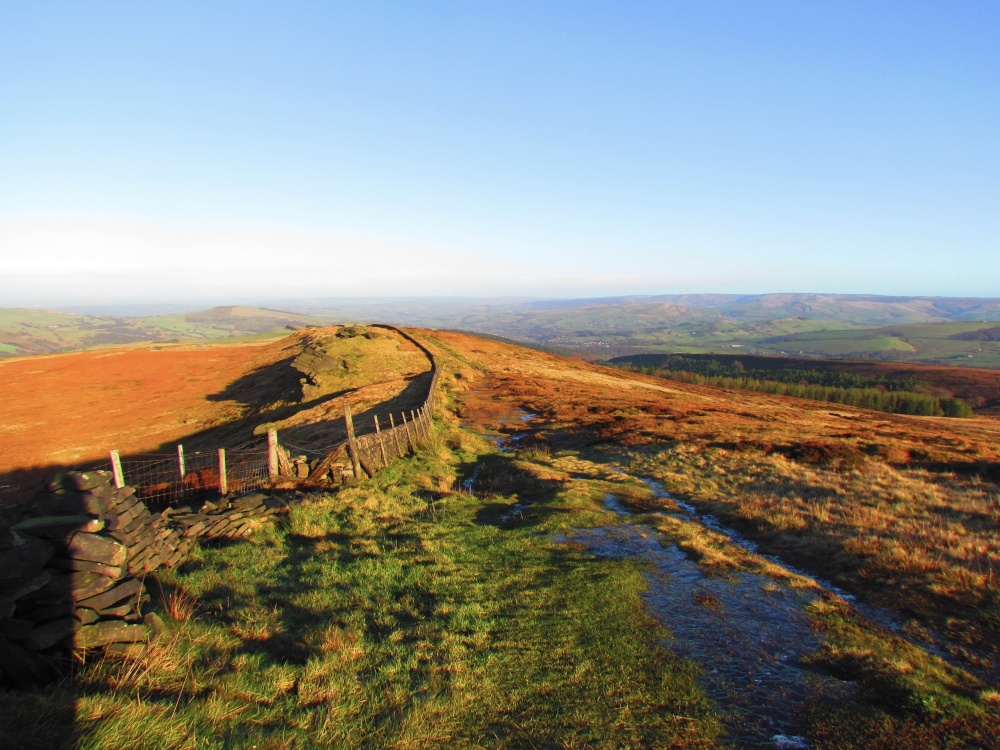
{"x":942,"y":330}
{"x":29,"y":331}
{"x":950,"y":343}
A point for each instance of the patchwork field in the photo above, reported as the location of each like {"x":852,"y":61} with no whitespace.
{"x":582,"y":557}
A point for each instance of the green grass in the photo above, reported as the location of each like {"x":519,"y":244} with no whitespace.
{"x":372,"y":619}
{"x":396,"y":613}
{"x":839,"y":346}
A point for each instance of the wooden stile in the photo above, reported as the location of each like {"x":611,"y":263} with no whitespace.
{"x":326,"y":463}
{"x":284,"y":465}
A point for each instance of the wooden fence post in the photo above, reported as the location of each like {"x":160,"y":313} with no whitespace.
{"x":395,"y":436}
{"x":180,"y":461}
{"x":351,"y":441}
{"x":381,"y":442}
{"x":116,"y":470}
{"x":284,"y":465}
{"x":409,"y":433}
{"x":416,"y":427}
{"x":223,"y":479}
{"x":272,"y":453}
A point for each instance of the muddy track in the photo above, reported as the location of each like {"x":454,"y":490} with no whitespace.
{"x":749,"y":632}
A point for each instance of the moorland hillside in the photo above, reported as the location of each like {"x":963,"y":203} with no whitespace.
{"x":579,"y":557}
{"x":68,"y":410}
{"x":952,"y":331}
{"x":37,"y":331}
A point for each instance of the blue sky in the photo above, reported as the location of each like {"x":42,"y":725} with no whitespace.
{"x":243,"y":151}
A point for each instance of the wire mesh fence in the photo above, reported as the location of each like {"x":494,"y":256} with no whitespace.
{"x":162,"y":479}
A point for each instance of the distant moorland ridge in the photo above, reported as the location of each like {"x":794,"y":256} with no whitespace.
{"x":937,"y":330}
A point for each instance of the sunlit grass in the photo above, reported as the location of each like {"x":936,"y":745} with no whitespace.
{"x":365,"y":619}
{"x":916,"y":541}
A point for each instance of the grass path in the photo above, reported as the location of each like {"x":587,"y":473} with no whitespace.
{"x":371,"y":619}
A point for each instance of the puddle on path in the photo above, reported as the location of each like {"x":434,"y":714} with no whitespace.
{"x":504,"y":440}
{"x":881,"y":617}
{"x":516,"y":511}
{"x":469,"y":483}
{"x":746,"y":631}
{"x":708,"y":520}
{"x":508,"y":443}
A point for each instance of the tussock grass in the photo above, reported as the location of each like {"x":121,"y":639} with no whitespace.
{"x":919,"y":542}
{"x":907,"y":698}
{"x":178,"y":605}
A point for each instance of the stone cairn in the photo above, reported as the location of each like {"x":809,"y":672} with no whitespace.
{"x":71,"y":570}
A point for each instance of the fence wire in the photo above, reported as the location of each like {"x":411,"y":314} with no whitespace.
{"x":159,"y":481}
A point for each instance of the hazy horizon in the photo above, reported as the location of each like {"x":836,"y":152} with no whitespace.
{"x":309,"y":306}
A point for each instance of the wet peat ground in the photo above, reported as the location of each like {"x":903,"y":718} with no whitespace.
{"x":745,"y":630}
{"x":748,"y":632}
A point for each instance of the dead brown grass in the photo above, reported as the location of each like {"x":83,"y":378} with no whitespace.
{"x":179,"y":605}
{"x":923,"y":543}
{"x":902,"y":510}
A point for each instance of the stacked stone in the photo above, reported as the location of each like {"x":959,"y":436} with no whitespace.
{"x":225,"y":519}
{"x":23,"y":560}
{"x":151,"y":540}
{"x":68,"y":570}
{"x":74,"y":586}
{"x":301,"y":467}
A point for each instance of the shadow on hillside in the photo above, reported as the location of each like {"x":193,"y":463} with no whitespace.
{"x":493,"y":477}
{"x":265,"y":386}
{"x":21,"y":484}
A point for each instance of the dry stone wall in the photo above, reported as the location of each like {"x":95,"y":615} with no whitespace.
{"x":71,"y":571}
